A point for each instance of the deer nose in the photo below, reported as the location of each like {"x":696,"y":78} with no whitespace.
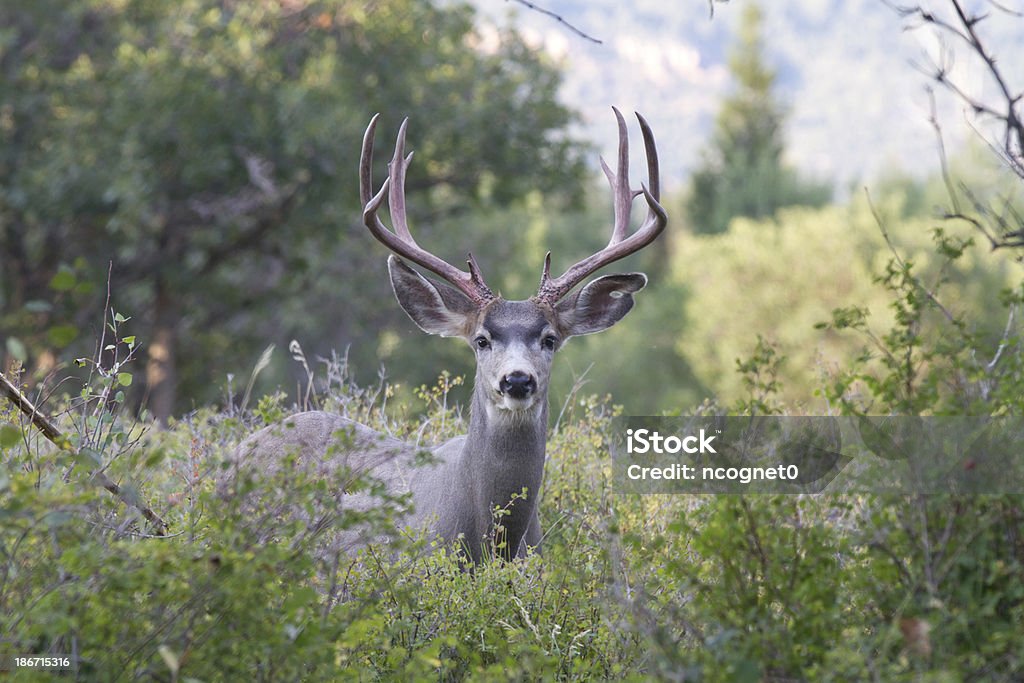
{"x":517,"y":384}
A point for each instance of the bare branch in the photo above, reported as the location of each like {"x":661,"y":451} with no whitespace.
{"x":943,"y":159}
{"x":967,"y":33}
{"x":1005,"y":9}
{"x":41,"y":422}
{"x":559,"y":19}
{"x":711,"y":7}
{"x":1001,"y":227}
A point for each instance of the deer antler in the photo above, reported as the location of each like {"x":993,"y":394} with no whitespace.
{"x":400,"y":240}
{"x":553,"y":289}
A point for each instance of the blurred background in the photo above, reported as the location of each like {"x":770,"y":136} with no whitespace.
{"x":192,"y":166}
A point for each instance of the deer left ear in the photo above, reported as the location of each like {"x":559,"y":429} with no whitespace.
{"x":599,"y":304}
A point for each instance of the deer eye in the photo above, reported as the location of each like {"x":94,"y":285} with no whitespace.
{"x":482,"y":342}
{"x":549,"y":342}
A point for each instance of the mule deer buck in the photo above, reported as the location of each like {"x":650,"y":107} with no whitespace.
{"x":454,"y":497}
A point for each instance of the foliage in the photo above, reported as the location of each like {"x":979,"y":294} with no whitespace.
{"x":743,"y":172}
{"x":757,"y":279}
{"x":715,"y":588}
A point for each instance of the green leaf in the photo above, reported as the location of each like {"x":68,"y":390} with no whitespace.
{"x":90,"y":457}
{"x":62,"y":335}
{"x":118,"y":318}
{"x":10,"y":436}
{"x":124,"y":379}
{"x":154,"y":458}
{"x":301,"y":597}
{"x":63,"y":281}
{"x":129,"y":340}
{"x":85,"y":288}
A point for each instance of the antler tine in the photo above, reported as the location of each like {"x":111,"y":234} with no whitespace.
{"x":651,"y":151}
{"x":622,"y":195}
{"x":619,"y":246}
{"x":366,"y":162}
{"x":396,"y":197}
{"x":401,"y":240}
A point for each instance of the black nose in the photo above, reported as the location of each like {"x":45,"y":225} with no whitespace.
{"x":517,"y":385}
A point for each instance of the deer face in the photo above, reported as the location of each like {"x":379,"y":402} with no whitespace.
{"x":514,"y":341}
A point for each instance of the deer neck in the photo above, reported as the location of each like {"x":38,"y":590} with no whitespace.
{"x":503,"y":454}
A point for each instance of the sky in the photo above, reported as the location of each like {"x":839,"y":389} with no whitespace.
{"x":858,"y":105}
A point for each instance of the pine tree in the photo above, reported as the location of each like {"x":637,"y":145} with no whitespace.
{"x":743,"y":173}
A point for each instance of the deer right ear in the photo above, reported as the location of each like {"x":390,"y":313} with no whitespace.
{"x":435,"y":308}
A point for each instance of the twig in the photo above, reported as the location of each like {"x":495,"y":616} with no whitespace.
{"x":933,"y":119}
{"x":899,"y":259}
{"x":559,"y":19}
{"x":1003,"y":341}
{"x":577,"y":384}
{"x":895,"y":559}
{"x":711,"y":7}
{"x":26,"y":406}
{"x":50,"y":431}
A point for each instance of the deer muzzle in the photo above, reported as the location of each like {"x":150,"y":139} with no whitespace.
{"x":517,"y":385}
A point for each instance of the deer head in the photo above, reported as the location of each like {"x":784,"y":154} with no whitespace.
{"x":514,"y":341}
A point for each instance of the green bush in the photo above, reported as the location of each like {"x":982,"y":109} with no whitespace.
{"x":710,"y":588}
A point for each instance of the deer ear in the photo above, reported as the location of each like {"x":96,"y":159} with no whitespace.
{"x":600,"y":303}
{"x":435,"y":307}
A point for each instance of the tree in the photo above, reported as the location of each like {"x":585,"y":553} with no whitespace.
{"x":743,"y":173}
{"x":205,"y":152}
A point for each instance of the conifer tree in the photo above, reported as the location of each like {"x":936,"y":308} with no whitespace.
{"x":743,"y":172}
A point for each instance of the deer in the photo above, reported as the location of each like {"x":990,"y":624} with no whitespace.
{"x":499,"y":463}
